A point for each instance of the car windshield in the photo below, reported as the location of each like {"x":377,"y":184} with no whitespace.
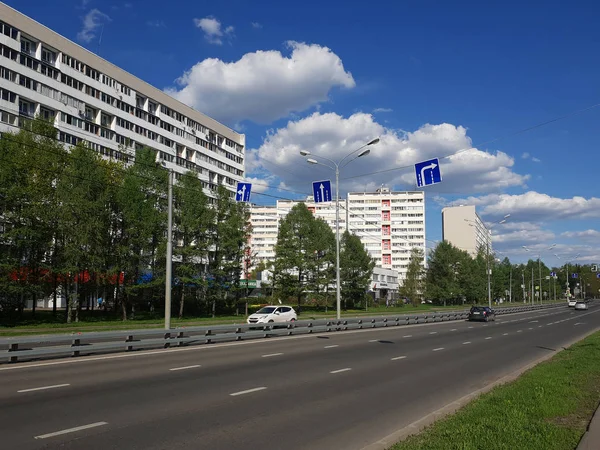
{"x":266,"y":310}
{"x":476,"y":309}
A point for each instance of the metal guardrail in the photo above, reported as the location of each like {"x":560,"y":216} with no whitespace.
{"x":21,"y":347}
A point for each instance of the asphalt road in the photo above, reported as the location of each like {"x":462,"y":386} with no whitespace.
{"x":335,"y":391}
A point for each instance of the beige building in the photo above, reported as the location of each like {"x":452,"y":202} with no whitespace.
{"x":463,"y":228}
{"x":90,"y":100}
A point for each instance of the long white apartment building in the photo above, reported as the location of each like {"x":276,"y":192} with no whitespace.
{"x":91,"y":100}
{"x":389,"y":224}
{"x":463,"y":228}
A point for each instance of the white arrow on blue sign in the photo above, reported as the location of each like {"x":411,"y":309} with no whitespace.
{"x":428,"y":172}
{"x":243,"y":191}
{"x":552,"y":274}
{"x":574,"y":275}
{"x":322,"y":191}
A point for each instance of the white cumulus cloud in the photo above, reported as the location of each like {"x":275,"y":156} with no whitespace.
{"x":262,"y":86}
{"x":213,"y":32}
{"x":333,"y":136}
{"x":535,"y":206}
{"x":92,"y":21}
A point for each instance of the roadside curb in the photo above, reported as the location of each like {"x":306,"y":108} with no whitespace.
{"x":591,"y":438}
{"x":419,"y":425}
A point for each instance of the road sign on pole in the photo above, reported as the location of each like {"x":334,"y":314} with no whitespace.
{"x":243,"y":192}
{"x":322,"y":191}
{"x":574,"y":275}
{"x":428,"y":172}
{"x":552,"y":274}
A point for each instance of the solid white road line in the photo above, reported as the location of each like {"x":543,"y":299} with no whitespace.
{"x":272,"y":354}
{"x":184,"y":368}
{"x":331,"y":346}
{"x":397,"y":358}
{"x":71,"y":430}
{"x":438,"y":349}
{"x":43,"y":388}
{"x":248,"y":391}
{"x":341,"y":370}
{"x":465,"y":343}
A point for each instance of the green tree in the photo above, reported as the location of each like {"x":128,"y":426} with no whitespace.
{"x":356,"y":270}
{"x":449,"y":274}
{"x":294,"y":253}
{"x":192,"y":218}
{"x":413,"y":285}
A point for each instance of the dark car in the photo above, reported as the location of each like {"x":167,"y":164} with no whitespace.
{"x":484,"y":313}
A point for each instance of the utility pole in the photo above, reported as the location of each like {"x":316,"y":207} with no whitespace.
{"x":532,"y":286}
{"x":510,"y":285}
{"x":169,"y":261}
{"x":523,"y":274}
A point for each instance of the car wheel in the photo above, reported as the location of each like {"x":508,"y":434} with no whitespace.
{"x":271,"y":321}
{"x":292,"y":320}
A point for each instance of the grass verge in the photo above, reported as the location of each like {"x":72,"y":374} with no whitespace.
{"x":547,"y":408}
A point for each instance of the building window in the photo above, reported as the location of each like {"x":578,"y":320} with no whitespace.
{"x":9,"y":31}
{"x":47,"y":114}
{"x":48,"y":56}
{"x":26,"y":108}
{"x":27,"y":47}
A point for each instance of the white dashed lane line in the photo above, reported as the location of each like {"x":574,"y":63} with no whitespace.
{"x":465,"y":343}
{"x":438,"y":349}
{"x":43,"y":388}
{"x":489,"y":337}
{"x":71,"y":430}
{"x":248,"y":391}
{"x":184,"y":368}
{"x":272,"y":354}
{"x":398,"y":357}
{"x":331,"y":346}
{"x":341,"y":370}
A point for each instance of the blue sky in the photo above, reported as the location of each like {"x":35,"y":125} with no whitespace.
{"x":429,"y":77}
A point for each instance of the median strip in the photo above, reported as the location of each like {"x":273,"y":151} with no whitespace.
{"x":43,"y":388}
{"x":71,"y":430}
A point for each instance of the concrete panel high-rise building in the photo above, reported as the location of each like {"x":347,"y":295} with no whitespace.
{"x":463,"y":228}
{"x":90,"y":100}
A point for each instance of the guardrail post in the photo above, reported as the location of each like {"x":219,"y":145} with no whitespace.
{"x":208,"y":333}
{"x":385,"y":324}
{"x":13,"y":347}
{"x":180,"y":336}
{"x":345,"y":323}
{"x":309,"y":326}
{"x":75,"y":343}
{"x":360,"y":324}
{"x":167,"y":336}
{"x":129,"y":339}
{"x":238,"y":330}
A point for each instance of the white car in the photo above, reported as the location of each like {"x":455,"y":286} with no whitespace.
{"x":572,"y":302}
{"x":273,"y":314}
{"x":581,"y":305}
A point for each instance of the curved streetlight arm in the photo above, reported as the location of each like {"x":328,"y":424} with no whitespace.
{"x":326,"y":159}
{"x":317,"y":163}
{"x":371,"y":142}
{"x":360,"y":155}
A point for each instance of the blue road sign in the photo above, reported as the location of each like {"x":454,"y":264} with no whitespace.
{"x":428,"y":172}
{"x":574,"y":275}
{"x":598,"y":275}
{"x":243,"y":192}
{"x":552,"y":274}
{"x":322,"y":191}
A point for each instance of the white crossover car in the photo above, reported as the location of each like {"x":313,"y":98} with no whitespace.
{"x":572,"y":302}
{"x":270,"y":314}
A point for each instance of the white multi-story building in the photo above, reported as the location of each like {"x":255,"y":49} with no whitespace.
{"x":264,"y":221}
{"x":91,"y":100}
{"x":463,"y":228}
{"x":389,"y":224}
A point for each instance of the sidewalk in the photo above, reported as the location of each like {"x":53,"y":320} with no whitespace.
{"x":591,"y":438}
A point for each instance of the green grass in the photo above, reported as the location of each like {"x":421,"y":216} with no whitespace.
{"x":547,"y":408}
{"x":46,"y":323}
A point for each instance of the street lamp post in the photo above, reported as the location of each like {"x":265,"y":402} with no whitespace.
{"x":540,"y":268}
{"x":169,"y":256}
{"x":336,"y":167}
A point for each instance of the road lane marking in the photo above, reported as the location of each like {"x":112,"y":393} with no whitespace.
{"x":433,"y":332}
{"x":453,"y":329}
{"x":489,"y":337}
{"x":397,"y":358}
{"x":272,"y":354}
{"x":534,"y":321}
{"x":71,"y":430}
{"x":43,"y":388}
{"x":505,"y":334}
{"x":438,"y":349}
{"x":407,"y":336}
{"x":248,"y":391}
{"x":540,"y":326}
{"x":184,"y":368}
{"x":519,"y":331}
{"x":374,"y":340}
{"x":331,"y":346}
{"x":465,"y":343}
{"x":531,"y":328}
{"x":341,"y":370}
{"x":578,"y":323}
{"x":470,"y":327}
